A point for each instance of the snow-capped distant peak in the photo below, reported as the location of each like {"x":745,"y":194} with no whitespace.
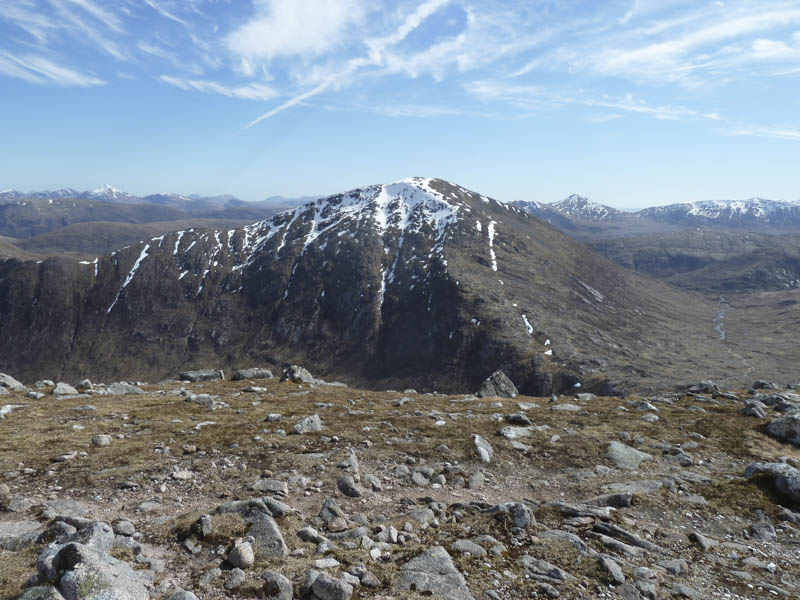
{"x":106,"y":190}
{"x":580,"y":206}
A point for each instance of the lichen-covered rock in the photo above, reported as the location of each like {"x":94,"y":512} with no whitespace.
{"x":784,"y":478}
{"x":433,"y":571}
{"x":497,"y":385}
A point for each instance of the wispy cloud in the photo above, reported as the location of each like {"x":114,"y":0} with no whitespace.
{"x":165,"y":13}
{"x":252,"y":91}
{"x":767,"y":132}
{"x":37,"y":69}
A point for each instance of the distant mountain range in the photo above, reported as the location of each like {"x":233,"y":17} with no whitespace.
{"x":108,"y":193}
{"x":583,"y":219}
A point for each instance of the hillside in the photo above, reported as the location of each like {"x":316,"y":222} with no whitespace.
{"x":711,"y":261}
{"x":419,"y":283}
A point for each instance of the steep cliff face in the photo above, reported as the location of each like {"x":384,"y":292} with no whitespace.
{"x":420,"y":282}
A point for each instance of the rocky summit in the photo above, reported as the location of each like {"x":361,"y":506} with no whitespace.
{"x":292,"y":488}
{"x":419,"y":283}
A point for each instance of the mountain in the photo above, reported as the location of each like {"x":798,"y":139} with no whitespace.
{"x":583,"y":219}
{"x":417,"y":283}
{"x":580,"y":207}
{"x":712,"y":261}
{"x":755,"y":214}
{"x":108,"y":193}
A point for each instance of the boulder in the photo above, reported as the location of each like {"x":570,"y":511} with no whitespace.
{"x":8,"y":382}
{"x":89,"y":574}
{"x":521,"y":515}
{"x":18,"y":534}
{"x":297,"y":374}
{"x":267,"y":538}
{"x":276,"y":586}
{"x":626,"y":457}
{"x":202,"y":375}
{"x":785,"y":479}
{"x":64,"y":389}
{"x":433,"y":572}
{"x":483,"y":449}
{"x":242,"y":556}
{"x":254,"y":373}
{"x":122,"y":388}
{"x":326,"y":587}
{"x":348,"y":487}
{"x":497,"y":385}
{"x":311,"y":424}
{"x":786,"y":428}
{"x":763,"y":384}
{"x":704,"y":387}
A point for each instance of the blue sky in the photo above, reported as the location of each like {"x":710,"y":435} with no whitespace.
{"x":631,"y":102}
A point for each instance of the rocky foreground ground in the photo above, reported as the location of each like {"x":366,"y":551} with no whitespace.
{"x":301,"y":489}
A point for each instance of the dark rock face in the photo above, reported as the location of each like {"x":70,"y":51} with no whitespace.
{"x":420,"y":283}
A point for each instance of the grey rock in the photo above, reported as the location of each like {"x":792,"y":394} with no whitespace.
{"x":421,"y":515}
{"x":101,"y":440}
{"x":433,"y":571}
{"x":497,"y":385}
{"x":236,"y":578}
{"x":330,"y":510}
{"x":518,"y":419}
{"x":483,"y":449}
{"x":784,"y":478}
{"x":297,"y":374}
{"x":703,"y":542}
{"x":763,"y":384}
{"x":681,"y":590}
{"x":8,"y":408}
{"x":585,"y":397}
{"x":646,"y":581}
{"x":566,"y":406}
{"x":202,"y":375}
{"x":627,"y":591}
{"x":539,"y":569}
{"x":276,"y":586}
{"x":326,"y":587}
{"x":64,"y":389}
{"x":8,"y":382}
{"x":419,"y":479}
{"x":122,"y":388}
{"x":373,"y":482}
{"x":268,"y":540}
{"x":468,"y":547}
{"x":123,"y":527}
{"x":242,"y":556}
{"x":511,"y":432}
{"x":348,"y":487}
{"x":521,"y":515}
{"x":763,"y":531}
{"x":253,"y":373}
{"x":786,"y":428}
{"x":89,"y":574}
{"x":612,"y":569}
{"x":704,"y":387}
{"x":272,"y":486}
{"x":476,"y":481}
{"x":626,"y":457}
{"x":276,"y":507}
{"x":311,"y":424}
{"x":15,"y":535}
